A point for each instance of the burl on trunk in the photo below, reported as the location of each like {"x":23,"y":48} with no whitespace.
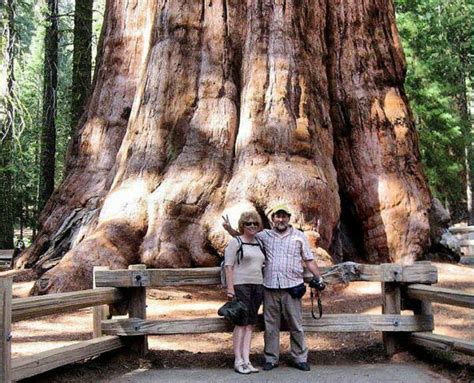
{"x":204,"y":108}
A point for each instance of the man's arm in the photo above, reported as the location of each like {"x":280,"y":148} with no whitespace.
{"x":308,"y":257}
{"x":313,"y":267}
{"x":317,"y":282}
{"x":228,"y":227}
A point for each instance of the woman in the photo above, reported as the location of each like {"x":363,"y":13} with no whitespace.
{"x":244,"y":260}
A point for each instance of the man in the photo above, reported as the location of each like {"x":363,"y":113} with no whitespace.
{"x":285,"y":248}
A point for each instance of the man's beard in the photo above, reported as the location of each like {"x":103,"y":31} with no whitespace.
{"x":280,"y":227}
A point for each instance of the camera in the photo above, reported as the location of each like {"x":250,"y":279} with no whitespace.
{"x":317,"y":283}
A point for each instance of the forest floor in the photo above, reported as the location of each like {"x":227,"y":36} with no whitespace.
{"x":215,"y":350}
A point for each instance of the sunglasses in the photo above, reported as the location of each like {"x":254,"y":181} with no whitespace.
{"x":251,"y":223}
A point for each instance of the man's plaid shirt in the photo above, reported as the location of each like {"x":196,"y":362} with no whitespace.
{"x":284,"y":257}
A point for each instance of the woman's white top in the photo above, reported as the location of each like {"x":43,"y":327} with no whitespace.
{"x":249,"y":270}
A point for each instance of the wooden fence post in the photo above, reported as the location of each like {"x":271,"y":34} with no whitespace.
{"x":423,"y":308}
{"x":419,"y":307}
{"x":5,"y":329}
{"x":391,"y":304}
{"x":98,"y":312}
{"x":137,"y":309}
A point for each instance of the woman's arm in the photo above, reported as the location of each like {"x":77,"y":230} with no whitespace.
{"x":229,"y":276}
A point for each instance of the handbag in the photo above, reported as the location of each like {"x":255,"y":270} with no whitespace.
{"x":236,"y":311}
{"x":297,"y":291}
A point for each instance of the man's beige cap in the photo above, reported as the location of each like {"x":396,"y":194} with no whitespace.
{"x":279,"y":207}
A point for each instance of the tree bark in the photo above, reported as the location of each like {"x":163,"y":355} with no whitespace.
{"x":48,"y":128}
{"x":81,"y":60}
{"x":238,"y":106}
{"x":377,"y":157}
{"x":72,"y":212}
{"x":6,"y":132}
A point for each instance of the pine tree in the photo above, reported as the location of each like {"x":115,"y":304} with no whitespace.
{"x":48,"y":132}
{"x":7,"y":121}
{"x":82,"y":59}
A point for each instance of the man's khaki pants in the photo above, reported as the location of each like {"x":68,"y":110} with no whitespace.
{"x":275,"y":304}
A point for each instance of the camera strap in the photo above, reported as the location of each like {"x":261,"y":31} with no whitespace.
{"x":320,"y":305}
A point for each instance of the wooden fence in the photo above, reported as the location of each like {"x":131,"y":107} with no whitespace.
{"x":6,"y":259}
{"x":403,"y":288}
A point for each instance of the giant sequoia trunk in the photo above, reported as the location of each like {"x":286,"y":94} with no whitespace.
{"x":204,"y":108}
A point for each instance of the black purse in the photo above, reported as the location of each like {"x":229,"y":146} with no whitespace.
{"x":236,"y":311}
{"x":297,"y":291}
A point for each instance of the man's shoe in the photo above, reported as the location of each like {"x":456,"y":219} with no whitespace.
{"x":303,"y":366}
{"x":269,"y":366}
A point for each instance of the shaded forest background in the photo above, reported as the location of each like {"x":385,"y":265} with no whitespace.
{"x":438,"y":41}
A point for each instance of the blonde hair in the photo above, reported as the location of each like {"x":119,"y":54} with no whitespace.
{"x":248,"y":216}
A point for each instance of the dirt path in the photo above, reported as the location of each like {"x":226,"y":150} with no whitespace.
{"x":214,"y":350}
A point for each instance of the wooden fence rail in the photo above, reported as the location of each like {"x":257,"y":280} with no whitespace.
{"x":346,"y":272}
{"x":419,"y":297}
{"x":35,"y":307}
{"x":6,"y":259}
{"x":328,"y":323}
{"x":442,"y":342}
{"x":406,"y":286}
{"x":26,"y":367}
{"x":440,"y":295}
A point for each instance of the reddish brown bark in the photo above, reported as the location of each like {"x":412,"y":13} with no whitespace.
{"x":240,"y":106}
{"x":377,"y":157}
{"x":71,"y":213}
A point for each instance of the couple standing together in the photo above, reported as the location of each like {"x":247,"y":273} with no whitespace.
{"x":285,"y":251}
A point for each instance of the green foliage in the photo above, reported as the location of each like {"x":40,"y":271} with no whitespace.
{"x":28,"y":88}
{"x":437,"y":38}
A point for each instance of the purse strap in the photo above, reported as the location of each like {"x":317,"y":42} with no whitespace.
{"x":320,"y":305}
